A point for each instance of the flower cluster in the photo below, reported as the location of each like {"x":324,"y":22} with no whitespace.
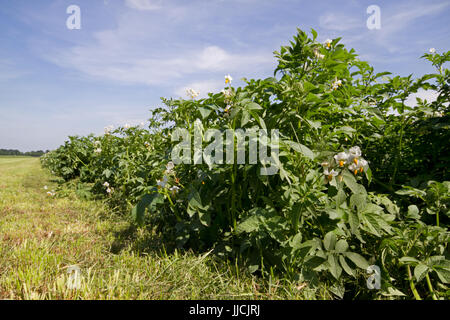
{"x":351,"y":160}
{"x":317,"y":54}
{"x":109,"y":189}
{"x":50,"y":193}
{"x":192,"y":93}
{"x":227,"y":93}
{"x":336,"y":84}
{"x":108,"y":129}
{"x":163,"y":183}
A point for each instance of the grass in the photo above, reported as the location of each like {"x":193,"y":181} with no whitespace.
{"x":43,"y":237}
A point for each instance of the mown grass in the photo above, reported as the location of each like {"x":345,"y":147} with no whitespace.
{"x":42,"y":237}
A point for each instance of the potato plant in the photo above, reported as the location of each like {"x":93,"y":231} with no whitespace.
{"x":361,"y":182}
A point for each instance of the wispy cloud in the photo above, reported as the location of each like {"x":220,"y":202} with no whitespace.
{"x":340,"y":22}
{"x":143,"y":4}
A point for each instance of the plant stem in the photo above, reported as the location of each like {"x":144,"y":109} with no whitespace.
{"x":411,"y":284}
{"x":433,"y":295}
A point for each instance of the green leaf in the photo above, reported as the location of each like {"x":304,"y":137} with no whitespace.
{"x":341,"y":246}
{"x":205,"y":112}
{"x":148,"y":200}
{"x":301,"y":149}
{"x":245,"y":118}
{"x":340,"y":197}
{"x":413,"y":212}
{"x":333,"y":266}
{"x":409,"y":260}
{"x":358,"y":201}
{"x":329,"y":241}
{"x":350,"y":182}
{"x":420,"y":271}
{"x":253,"y":106}
{"x":357,"y":259}
{"x":248,"y":225}
{"x":295,"y":215}
{"x":346,"y":267}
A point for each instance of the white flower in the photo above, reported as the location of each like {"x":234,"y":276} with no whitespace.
{"x":108,"y":129}
{"x":45,"y":187}
{"x":174,"y":189}
{"x":227,"y":109}
{"x":336,"y":84}
{"x":341,"y":158}
{"x":358,"y":166}
{"x":355,"y":153}
{"x":97,"y":143}
{"x":227,"y":93}
{"x":127,"y":126}
{"x":327,"y":43}
{"x":317,"y":54}
{"x":330,"y":174}
{"x":325,"y":164}
{"x":142,"y":124}
{"x":146,"y":144}
{"x":109,"y":190}
{"x":432,"y":50}
{"x":228,"y":79}
{"x":162,"y":182}
{"x":98,"y":150}
{"x":106,"y":184}
{"x":169,"y":167}
{"x":51,"y":193}
{"x":192,"y":93}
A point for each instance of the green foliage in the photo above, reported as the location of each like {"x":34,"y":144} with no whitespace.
{"x":328,"y":213}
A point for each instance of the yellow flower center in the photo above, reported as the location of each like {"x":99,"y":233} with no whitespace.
{"x":355,"y":160}
{"x":355,"y":172}
{"x":361,"y":169}
{"x":341,"y":163}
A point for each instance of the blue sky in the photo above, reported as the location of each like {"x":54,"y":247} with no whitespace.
{"x":56,"y":82}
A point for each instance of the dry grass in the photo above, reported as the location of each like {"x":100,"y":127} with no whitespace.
{"x":41,"y":237}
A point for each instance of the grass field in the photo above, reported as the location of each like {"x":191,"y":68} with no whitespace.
{"x":42,"y":237}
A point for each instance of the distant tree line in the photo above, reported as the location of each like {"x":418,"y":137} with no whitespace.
{"x":11,"y":152}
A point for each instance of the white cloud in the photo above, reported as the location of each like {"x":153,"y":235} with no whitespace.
{"x":429,"y":95}
{"x":332,"y":21}
{"x":143,"y":4}
{"x":112,"y":58}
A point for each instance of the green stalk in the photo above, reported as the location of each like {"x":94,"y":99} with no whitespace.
{"x":433,"y":295}
{"x":411,"y":284}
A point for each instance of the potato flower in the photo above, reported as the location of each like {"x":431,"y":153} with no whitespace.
{"x":317,"y":54}
{"x":327,"y":43}
{"x":192,"y":93}
{"x":162,"y":182}
{"x":341,"y":158}
{"x":336,"y":84}
{"x":330,"y":174}
{"x":228,"y":79}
